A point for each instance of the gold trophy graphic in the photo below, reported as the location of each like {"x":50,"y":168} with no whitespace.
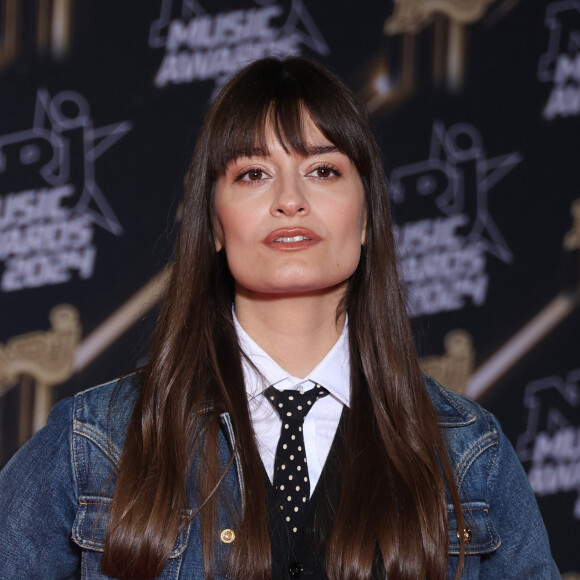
{"x":396,"y":76}
{"x":450,"y":19}
{"x":572,"y":238}
{"x":453,"y":368}
{"x":52,"y":28}
{"x":37,"y":361}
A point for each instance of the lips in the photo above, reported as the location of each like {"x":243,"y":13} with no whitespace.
{"x":291,"y":238}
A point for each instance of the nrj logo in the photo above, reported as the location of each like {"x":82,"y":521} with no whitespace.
{"x":202,"y":46}
{"x":560,"y":64}
{"x":49,"y":197}
{"x":443,"y":255}
{"x":551,"y":442}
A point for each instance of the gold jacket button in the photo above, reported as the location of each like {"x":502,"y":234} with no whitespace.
{"x":466,"y":533}
{"x":227,"y":536}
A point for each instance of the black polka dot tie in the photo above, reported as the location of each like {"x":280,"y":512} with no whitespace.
{"x":290,"y":467}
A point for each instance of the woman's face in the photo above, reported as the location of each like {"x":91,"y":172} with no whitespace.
{"x":290,"y":223}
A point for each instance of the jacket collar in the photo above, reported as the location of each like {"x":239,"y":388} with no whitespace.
{"x":451,"y":409}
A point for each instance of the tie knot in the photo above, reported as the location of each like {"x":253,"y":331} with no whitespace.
{"x":294,"y":405}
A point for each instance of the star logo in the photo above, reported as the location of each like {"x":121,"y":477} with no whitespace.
{"x":552,"y":404}
{"x":550,"y":442}
{"x":563,"y":38}
{"x":456,"y":179}
{"x":62,"y":147}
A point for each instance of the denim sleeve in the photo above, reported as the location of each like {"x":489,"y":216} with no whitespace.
{"x":38,"y":502}
{"x":525,"y":550}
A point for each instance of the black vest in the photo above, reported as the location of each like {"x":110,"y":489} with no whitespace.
{"x":301,"y":554}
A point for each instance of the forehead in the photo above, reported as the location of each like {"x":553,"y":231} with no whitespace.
{"x":289,"y":124}
{"x":310,"y":141}
{"x":310,"y":132}
{"x":310,"y":138}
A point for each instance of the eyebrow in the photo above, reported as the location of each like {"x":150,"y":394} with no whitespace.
{"x":321,"y":149}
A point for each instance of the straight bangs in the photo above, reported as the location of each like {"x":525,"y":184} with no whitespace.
{"x":270,"y":95}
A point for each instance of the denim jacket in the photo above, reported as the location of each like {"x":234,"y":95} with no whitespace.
{"x":56,"y":491}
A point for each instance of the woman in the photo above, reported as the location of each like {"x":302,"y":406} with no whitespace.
{"x":284,"y":274}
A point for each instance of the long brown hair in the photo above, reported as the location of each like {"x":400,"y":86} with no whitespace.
{"x":396,"y":468}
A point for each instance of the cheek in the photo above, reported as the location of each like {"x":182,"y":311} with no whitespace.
{"x":355,"y":223}
{"x":348,"y":241}
{"x":353,"y":238}
{"x":235,"y":233}
{"x":225,"y":224}
{"x":232,"y":229}
{"x":350,"y":255}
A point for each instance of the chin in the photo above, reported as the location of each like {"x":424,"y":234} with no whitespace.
{"x":294,"y":287}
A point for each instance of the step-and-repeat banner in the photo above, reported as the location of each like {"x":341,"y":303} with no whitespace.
{"x":476,"y":105}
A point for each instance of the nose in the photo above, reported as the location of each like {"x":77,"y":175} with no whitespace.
{"x":289,"y":198}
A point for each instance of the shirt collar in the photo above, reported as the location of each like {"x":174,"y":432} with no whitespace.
{"x":332,"y":372}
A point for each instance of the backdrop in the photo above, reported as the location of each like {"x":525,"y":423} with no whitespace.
{"x":476,"y":105}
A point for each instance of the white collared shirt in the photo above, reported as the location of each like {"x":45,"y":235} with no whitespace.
{"x":333,"y":373}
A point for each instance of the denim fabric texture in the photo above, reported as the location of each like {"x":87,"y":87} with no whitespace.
{"x":56,"y":491}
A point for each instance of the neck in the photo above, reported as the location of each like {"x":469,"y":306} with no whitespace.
{"x":296,"y":331}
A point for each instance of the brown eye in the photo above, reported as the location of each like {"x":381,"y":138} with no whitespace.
{"x":254,"y":174}
{"x":324,"y":172}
